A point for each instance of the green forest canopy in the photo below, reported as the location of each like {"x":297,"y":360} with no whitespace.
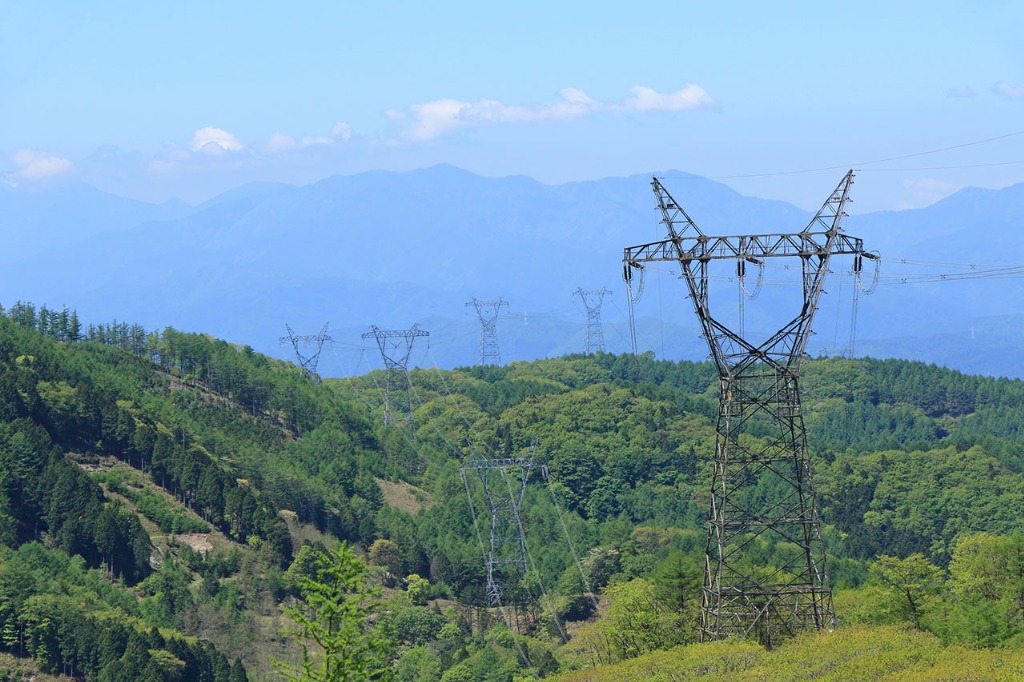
{"x":113,"y":440}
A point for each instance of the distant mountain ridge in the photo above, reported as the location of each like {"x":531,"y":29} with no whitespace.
{"x":393,"y":249}
{"x":68,"y":214}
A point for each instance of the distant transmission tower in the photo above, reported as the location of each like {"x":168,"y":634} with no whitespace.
{"x":594,"y":343}
{"x":487,"y":312}
{"x":504,"y":482}
{"x":395,"y":348}
{"x":758,"y":395}
{"x":307,"y":362}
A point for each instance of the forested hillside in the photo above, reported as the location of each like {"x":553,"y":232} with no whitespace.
{"x":164,"y":497}
{"x":117,"y":444}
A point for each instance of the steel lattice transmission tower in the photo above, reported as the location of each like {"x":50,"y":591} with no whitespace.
{"x":594,"y":342}
{"x":307,"y":363}
{"x":487,"y":312}
{"x":395,"y":348}
{"x":504,"y":483}
{"x":761,"y":486}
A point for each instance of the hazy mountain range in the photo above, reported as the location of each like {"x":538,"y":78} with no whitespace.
{"x":395,"y":249}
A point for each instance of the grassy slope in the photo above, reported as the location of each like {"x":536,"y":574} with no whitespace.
{"x":863,"y":653}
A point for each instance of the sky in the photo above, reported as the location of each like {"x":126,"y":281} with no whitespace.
{"x":775,"y":99}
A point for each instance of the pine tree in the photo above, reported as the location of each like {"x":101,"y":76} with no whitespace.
{"x":238,"y":672}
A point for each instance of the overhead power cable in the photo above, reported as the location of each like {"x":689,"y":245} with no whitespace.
{"x":885,"y":160}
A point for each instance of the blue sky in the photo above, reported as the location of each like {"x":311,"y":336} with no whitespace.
{"x":187,"y":99}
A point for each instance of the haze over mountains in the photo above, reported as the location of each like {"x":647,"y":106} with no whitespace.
{"x":394,"y":249}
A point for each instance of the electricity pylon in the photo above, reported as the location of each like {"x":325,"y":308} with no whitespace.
{"x":594,"y":342}
{"x":395,"y":348}
{"x":762,"y":484}
{"x":487,"y":312}
{"x":307,"y":363}
{"x":506,"y":555}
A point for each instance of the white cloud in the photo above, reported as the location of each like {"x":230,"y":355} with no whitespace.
{"x":437,"y":117}
{"x":33,"y":165}
{"x":342,"y":131}
{"x":575,"y":103}
{"x":215,"y":141}
{"x":316,"y":140}
{"x":281,"y":143}
{"x":1007,"y":90}
{"x":433,"y":119}
{"x":689,"y":98}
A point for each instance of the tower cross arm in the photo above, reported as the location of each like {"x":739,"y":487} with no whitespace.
{"x":498,"y":463}
{"x":306,"y":339}
{"x":395,"y":333}
{"x":746,"y":247}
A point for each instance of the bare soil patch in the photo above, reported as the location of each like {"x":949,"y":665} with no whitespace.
{"x":404,"y":497}
{"x":199,"y":542}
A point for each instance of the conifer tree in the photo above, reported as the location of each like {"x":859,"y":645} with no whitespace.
{"x":331,"y":622}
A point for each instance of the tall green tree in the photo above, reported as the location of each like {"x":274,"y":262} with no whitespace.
{"x":331,"y":622}
{"x":915,"y":582}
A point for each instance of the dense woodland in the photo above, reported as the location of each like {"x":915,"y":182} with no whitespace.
{"x":164,"y":497}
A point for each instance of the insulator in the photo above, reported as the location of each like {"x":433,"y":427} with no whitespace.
{"x":743,"y":283}
{"x":874,"y":280}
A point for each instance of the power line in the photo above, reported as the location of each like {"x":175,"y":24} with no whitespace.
{"x":931,"y":168}
{"x":885,"y":160}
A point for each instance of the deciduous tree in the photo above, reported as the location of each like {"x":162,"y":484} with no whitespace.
{"x":914,"y":582}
